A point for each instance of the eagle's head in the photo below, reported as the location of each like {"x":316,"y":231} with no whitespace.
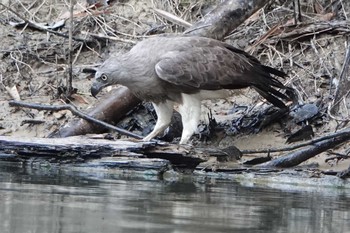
{"x":111,"y":72}
{"x":101,"y":81}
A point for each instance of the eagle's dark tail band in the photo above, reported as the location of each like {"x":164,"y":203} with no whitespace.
{"x":272,"y":95}
{"x":268,"y":91}
{"x":274,"y":71}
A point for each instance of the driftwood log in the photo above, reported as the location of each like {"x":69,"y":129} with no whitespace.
{"x":120,"y":153}
{"x":298,"y":156}
{"x":217,"y":24}
{"x":227,"y":16}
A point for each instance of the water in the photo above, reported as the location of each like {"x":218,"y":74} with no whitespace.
{"x":35,"y":200}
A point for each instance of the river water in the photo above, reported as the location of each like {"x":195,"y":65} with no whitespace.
{"x":52,"y":200}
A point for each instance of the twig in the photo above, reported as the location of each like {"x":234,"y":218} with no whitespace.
{"x":172,"y":18}
{"x":294,"y":62}
{"x":331,"y":115}
{"x":21,"y":62}
{"x":32,"y":121}
{"x":192,"y":29}
{"x":98,"y":36}
{"x":309,"y":29}
{"x":264,"y":37}
{"x":78,"y":52}
{"x":69,"y":82}
{"x":104,"y":26}
{"x":343,"y":132}
{"x":76,"y":112}
{"x":321,"y":58}
{"x":41,"y":28}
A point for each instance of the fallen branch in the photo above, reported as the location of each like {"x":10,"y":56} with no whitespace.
{"x":299,"y":156}
{"x":172,"y":18}
{"x":225,"y":17}
{"x":104,"y":37}
{"x":344,"y":174}
{"x":341,"y":133}
{"x":69,"y":78}
{"x":79,"y":149}
{"x":110,"y":108}
{"x":76,"y":112}
{"x":82,"y":152}
{"x":291,"y":32}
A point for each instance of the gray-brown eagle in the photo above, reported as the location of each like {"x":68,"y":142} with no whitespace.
{"x":185,"y":70}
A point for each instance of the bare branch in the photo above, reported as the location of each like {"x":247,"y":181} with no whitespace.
{"x":76,"y":112}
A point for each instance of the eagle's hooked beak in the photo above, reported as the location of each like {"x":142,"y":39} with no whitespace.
{"x":96,"y":88}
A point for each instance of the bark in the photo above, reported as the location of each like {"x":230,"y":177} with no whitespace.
{"x":216,"y":24}
{"x":84,"y":149}
{"x":225,"y":17}
{"x":133,"y":164}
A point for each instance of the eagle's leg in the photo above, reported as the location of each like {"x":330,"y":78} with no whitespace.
{"x":190,"y":111}
{"x":164,"y":112}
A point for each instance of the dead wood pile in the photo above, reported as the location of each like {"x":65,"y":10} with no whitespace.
{"x":311,"y":45}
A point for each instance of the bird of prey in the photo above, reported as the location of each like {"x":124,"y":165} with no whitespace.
{"x":185,"y":70}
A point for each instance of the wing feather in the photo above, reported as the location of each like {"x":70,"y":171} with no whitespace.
{"x":208,"y":68}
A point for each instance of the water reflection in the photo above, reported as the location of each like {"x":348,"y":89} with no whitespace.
{"x":61,"y":201}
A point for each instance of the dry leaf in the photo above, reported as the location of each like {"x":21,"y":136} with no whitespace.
{"x":13,"y":92}
{"x":82,"y":11}
{"x":254,"y":17}
{"x":318,"y":7}
{"x":80,"y":99}
{"x":60,"y":115}
{"x":289,"y":22}
{"x":327,"y":16}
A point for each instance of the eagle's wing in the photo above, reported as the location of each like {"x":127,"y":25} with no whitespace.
{"x":219,"y":67}
{"x":208,"y":68}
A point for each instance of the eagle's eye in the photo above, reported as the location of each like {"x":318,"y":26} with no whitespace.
{"x":104,"y":77}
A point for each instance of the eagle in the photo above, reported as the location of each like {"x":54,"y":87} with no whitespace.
{"x":183,"y":71}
